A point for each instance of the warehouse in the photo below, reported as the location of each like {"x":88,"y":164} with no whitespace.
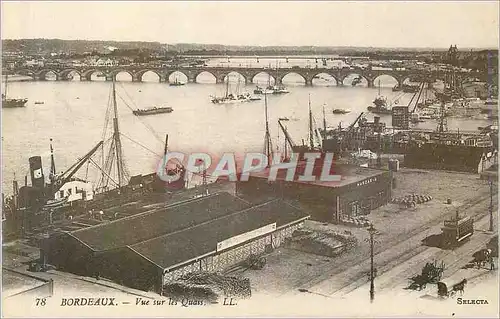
{"x":144,"y":251}
{"x":360,"y":190}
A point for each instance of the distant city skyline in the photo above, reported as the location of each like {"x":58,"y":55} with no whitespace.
{"x":337,"y":24}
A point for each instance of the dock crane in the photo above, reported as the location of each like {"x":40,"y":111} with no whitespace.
{"x":66,"y":176}
{"x":347,"y":137}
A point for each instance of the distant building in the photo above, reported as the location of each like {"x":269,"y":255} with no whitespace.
{"x":97,"y":61}
{"x":35,"y":63}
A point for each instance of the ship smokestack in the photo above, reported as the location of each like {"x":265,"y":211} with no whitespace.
{"x":36,"y":171}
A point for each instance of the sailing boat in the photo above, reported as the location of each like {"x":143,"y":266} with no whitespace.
{"x":10,"y":103}
{"x":268,"y":90}
{"x":278,"y":88}
{"x":230,"y":98}
{"x":176,"y":82}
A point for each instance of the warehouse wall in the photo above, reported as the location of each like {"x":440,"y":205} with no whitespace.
{"x":66,"y":253}
{"x":236,"y":254}
{"x":125,"y":267}
{"x":321,"y":202}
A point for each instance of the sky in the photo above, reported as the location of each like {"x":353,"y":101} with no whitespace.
{"x":473,"y":24}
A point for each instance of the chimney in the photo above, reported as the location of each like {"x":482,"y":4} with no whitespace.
{"x":36,"y":171}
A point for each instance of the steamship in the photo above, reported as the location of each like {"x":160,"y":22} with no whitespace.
{"x":65,"y":196}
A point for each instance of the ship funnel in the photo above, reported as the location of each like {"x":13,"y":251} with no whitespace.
{"x":36,"y":171}
{"x":376,"y":119}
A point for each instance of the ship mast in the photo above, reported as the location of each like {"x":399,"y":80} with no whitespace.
{"x":118,"y":143}
{"x":115,"y":153}
{"x":324,"y":120}
{"x":5,"y":89}
{"x":311,"y":134}
{"x":52,"y":164}
{"x":267,"y":139}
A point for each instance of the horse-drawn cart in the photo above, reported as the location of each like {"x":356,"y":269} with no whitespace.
{"x":431,"y":274}
{"x":446,"y":289}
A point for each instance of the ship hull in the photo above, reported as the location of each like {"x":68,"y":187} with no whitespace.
{"x":12,"y":103}
{"x":445,"y":157}
{"x":152,"y":112}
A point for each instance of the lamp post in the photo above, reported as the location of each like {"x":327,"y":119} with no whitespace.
{"x":490,"y":181}
{"x":372,"y":232}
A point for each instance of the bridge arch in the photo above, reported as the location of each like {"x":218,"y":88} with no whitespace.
{"x":148,"y":75}
{"x":349,"y":78}
{"x":262,"y":78}
{"x":42,"y":74}
{"x":93,"y":75}
{"x":205,"y":77}
{"x":122,"y":75}
{"x":26,"y":72}
{"x":177,"y":75}
{"x":50,"y":75}
{"x":324,"y":79}
{"x":386,"y":80}
{"x":234,"y":77}
{"x":283,"y":78}
{"x":67,"y":74}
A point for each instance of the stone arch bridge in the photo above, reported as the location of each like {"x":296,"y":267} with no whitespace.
{"x":220,"y":73}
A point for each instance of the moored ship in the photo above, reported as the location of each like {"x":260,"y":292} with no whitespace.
{"x":152,"y":111}
{"x":11,"y":103}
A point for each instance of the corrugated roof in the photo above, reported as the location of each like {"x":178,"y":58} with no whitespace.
{"x":175,"y":248}
{"x":141,"y":227}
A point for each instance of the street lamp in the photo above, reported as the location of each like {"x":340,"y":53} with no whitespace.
{"x":490,"y":181}
{"x":372,"y":232}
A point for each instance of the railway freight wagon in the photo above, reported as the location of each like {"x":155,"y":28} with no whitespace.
{"x":456,"y":230}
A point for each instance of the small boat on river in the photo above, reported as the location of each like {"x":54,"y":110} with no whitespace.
{"x":341,"y":111}
{"x":152,"y":111}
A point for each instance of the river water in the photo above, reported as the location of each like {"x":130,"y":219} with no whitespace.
{"x":74,"y":112}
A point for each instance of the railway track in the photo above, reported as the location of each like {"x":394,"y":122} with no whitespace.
{"x":402,"y":240}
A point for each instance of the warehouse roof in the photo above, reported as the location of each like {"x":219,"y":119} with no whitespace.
{"x":348,"y":174}
{"x":141,"y":227}
{"x":202,"y":239}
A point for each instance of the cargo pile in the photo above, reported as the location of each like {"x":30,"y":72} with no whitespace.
{"x":411,"y":200}
{"x":325,"y":243}
{"x":357,"y":221}
{"x":206,"y":286}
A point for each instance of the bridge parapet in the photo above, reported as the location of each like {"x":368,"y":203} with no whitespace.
{"x":247,"y":72}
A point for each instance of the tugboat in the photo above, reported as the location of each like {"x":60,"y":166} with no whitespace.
{"x":154,"y":110}
{"x":11,"y":103}
{"x":380,"y":104}
{"x":356,"y":81}
{"x":278,"y":89}
{"x":397,"y":88}
{"x":260,"y":90}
